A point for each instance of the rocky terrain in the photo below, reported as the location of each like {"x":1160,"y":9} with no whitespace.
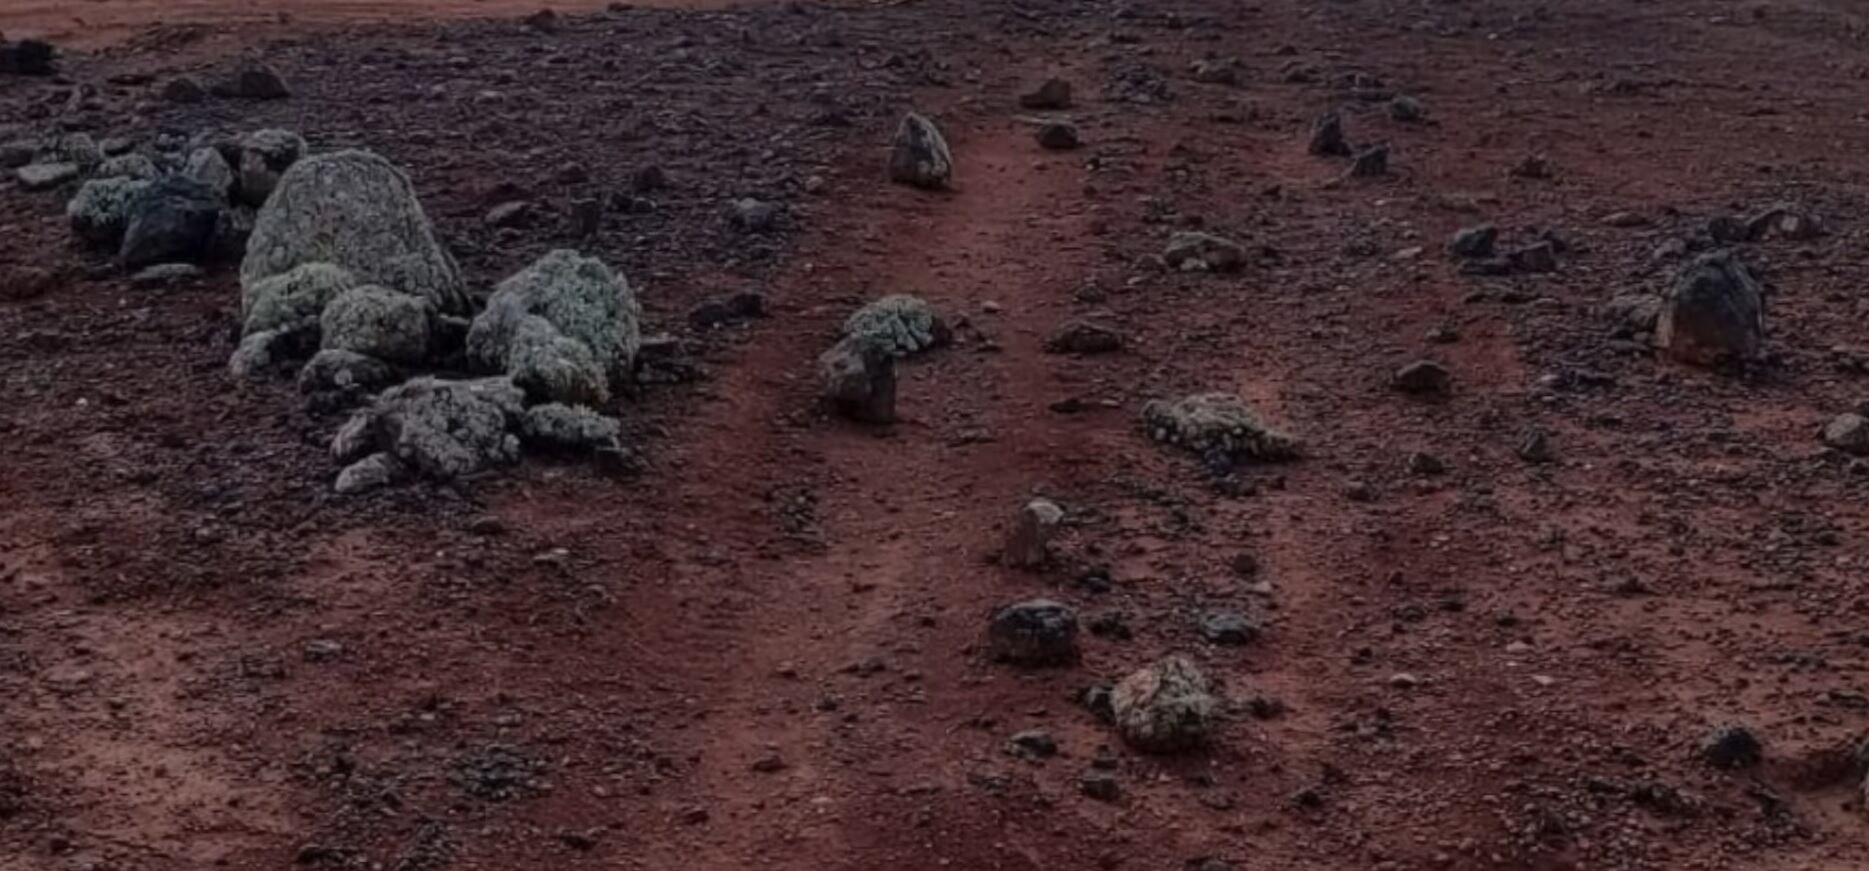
{"x":1362,"y":434}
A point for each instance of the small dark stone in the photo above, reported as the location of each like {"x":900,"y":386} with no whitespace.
{"x":1034,"y":633}
{"x":1099,"y":785}
{"x":1536,"y":258}
{"x":1371,"y":162}
{"x":1053,"y":93}
{"x":28,"y":57}
{"x":587,"y":216}
{"x":1228,"y":628}
{"x":1731,"y":746}
{"x":185,"y":90}
{"x":1407,"y":110}
{"x":1327,"y":138}
{"x":1098,"y":700}
{"x":1034,"y":743}
{"x":1422,"y":376}
{"x":1058,"y":136}
{"x":1422,"y":463}
{"x":1473,"y":242}
{"x":1084,"y":337}
{"x":1534,"y":166}
{"x":648,"y":179}
{"x":255,"y":82}
{"x":1535,"y":446}
{"x":171,"y":221}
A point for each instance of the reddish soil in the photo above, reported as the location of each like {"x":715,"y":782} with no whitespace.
{"x":207,"y":659}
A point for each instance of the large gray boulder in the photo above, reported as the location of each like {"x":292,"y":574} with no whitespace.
{"x":355,"y":210}
{"x":438,"y":429}
{"x":292,"y":300}
{"x":1165,"y":707}
{"x":379,"y":323}
{"x":101,"y":209}
{"x":900,"y":324}
{"x":919,"y":156}
{"x":1220,"y":423}
{"x":1714,"y":312}
{"x":563,"y":328}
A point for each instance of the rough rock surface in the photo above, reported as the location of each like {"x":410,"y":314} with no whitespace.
{"x":1028,"y":542}
{"x":127,"y":166}
{"x":1714,"y":312}
{"x":206,"y":165}
{"x":171,"y":220}
{"x":292,"y":299}
{"x":554,"y":426}
{"x":900,"y":324}
{"x":857,"y":378}
{"x":44,"y":176}
{"x":1848,"y":433}
{"x":1037,"y":633}
{"x":438,"y":429}
{"x":373,"y":472}
{"x":377,"y":322}
{"x":1192,"y":251}
{"x":920,"y":155}
{"x":265,"y":155}
{"x":99,"y":212}
{"x":335,"y":370}
{"x":564,"y":328}
{"x":1166,"y":707}
{"x":1217,"y":422}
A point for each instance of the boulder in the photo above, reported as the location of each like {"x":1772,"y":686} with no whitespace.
{"x":206,"y":165}
{"x":1191,"y":251}
{"x":1039,"y":632}
{"x":919,"y":156}
{"x":377,"y":322}
{"x":334,"y":370}
{"x":265,"y":155}
{"x":1166,"y":707}
{"x":899,"y":324}
{"x":437,"y":429}
{"x":554,"y":426}
{"x":100,"y":210}
{"x":1028,"y":542}
{"x":1714,"y":312}
{"x":563,"y":328}
{"x":28,"y":57}
{"x":354,"y":210}
{"x":170,"y":221}
{"x":858,"y":380}
{"x":292,"y":300}
{"x":1208,"y":423}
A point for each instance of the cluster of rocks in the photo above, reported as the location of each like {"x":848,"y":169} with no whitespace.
{"x":1478,"y":250}
{"x":857,"y":375}
{"x":1053,"y":95}
{"x":1329,"y":140}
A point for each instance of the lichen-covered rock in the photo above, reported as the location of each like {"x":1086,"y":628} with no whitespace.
{"x":355,"y":210}
{"x":1034,"y":633}
{"x":232,"y":229}
{"x":438,"y":429}
{"x":292,"y":299}
{"x":265,"y":155}
{"x":260,"y":353}
{"x":1217,"y":423}
{"x":1192,"y":251}
{"x":170,"y":221}
{"x":1714,"y":312}
{"x":554,"y":426}
{"x":564,"y":328}
{"x":206,"y":165}
{"x":370,"y":473}
{"x":333,"y":370}
{"x":900,"y":324}
{"x":1166,"y":707}
{"x":128,"y":166}
{"x":857,"y":379}
{"x":78,"y":148}
{"x":377,"y":322}
{"x":45,"y":176}
{"x":99,"y":212}
{"x":1084,"y":337}
{"x":920,"y":155}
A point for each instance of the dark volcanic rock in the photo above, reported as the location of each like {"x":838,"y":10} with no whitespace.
{"x":171,"y":221}
{"x":1714,"y":312}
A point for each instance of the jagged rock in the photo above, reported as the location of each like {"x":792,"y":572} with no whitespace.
{"x":899,"y":324}
{"x":355,"y":210}
{"x":1220,"y":423}
{"x":206,"y":165}
{"x":341,"y":371}
{"x":292,"y":300}
{"x":1058,"y":136}
{"x":100,"y":210}
{"x":1327,"y":139}
{"x":1731,"y":746}
{"x":554,"y":426}
{"x":1535,"y":446}
{"x":1039,"y":632}
{"x":370,"y":473}
{"x":1371,"y":162}
{"x":1474,"y":242}
{"x":45,"y":176}
{"x":1848,"y":433}
{"x":1714,"y":312}
{"x":1191,"y":251}
{"x":1166,"y":707}
{"x":438,"y":429}
{"x":170,"y":221}
{"x":1028,"y":542}
{"x":1422,"y":376}
{"x":1538,"y":257}
{"x":127,"y":166}
{"x":1084,"y":337}
{"x":265,"y":156}
{"x":858,"y":380}
{"x":564,"y":328}
{"x":184,"y":90}
{"x":1053,"y":93}
{"x":920,"y":155}
{"x":254,"y":81}
{"x":378,"y":322}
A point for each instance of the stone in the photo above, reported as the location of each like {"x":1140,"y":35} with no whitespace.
{"x":1632,"y":314}
{"x":373,"y":472}
{"x":1058,"y":136}
{"x":1784,"y":222}
{"x":513,"y":214}
{"x":919,"y":156}
{"x":1848,"y":433}
{"x":1028,"y":542}
{"x":334,"y":370}
{"x":899,"y":324}
{"x":1713,"y":313}
{"x":1217,"y":423}
{"x":14,"y":155}
{"x":857,"y":379}
{"x":1327,"y":139}
{"x":170,"y":221}
{"x":755,"y":216}
{"x":587,"y":217}
{"x":354,"y":210}
{"x":1538,"y":257}
{"x":1084,"y":337}
{"x":1051,"y":94}
{"x":1166,"y":707}
{"x":436,"y":428}
{"x":265,"y":156}
{"x":1371,"y":162}
{"x":1535,"y":446}
{"x":1100,"y":785}
{"x":1533,"y":166}
{"x":1038,"y":632}
{"x":167,"y":275}
{"x":564,"y":328}
{"x":1731,"y":746}
{"x":742,"y":306}
{"x":292,"y":300}
{"x":554,"y":426}
{"x":1193,"y":251}
{"x":377,"y":322}
{"x":100,"y":211}
{"x":1227,"y":628}
{"x":45,"y":176}
{"x":184,"y":90}
{"x":232,"y":229}
{"x":28,"y":57}
{"x":22,"y":283}
{"x":1218,"y":71}
{"x":254,"y":81}
{"x":1033,"y":744}
{"x":1473,"y":242}
{"x":1407,"y":110}
{"x":127,"y":166}
{"x":78,"y":148}
{"x":261,"y":352}
{"x":1422,"y":376}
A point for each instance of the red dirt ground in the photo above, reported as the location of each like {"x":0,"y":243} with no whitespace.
{"x":591,"y":684}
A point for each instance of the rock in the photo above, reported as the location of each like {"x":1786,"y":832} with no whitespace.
{"x":742,"y":306}
{"x":1327,"y":139}
{"x":438,"y":429}
{"x":78,"y":148}
{"x":1028,"y":542}
{"x":28,"y":57}
{"x":1727,"y":228}
{"x":1535,"y":446}
{"x":373,"y":472}
{"x":334,"y":370}
{"x":184,"y":90}
{"x":1714,"y":312}
{"x":1422,"y":376}
{"x":1423,"y":463}
{"x":127,"y":166}
{"x":1534,"y":166}
{"x":377,"y":322}
{"x":1191,"y":251}
{"x":1084,"y":337}
{"x":755,"y":216}
{"x":1538,"y":257}
{"x":44,"y":176}
{"x":1038,"y":632}
{"x":1033,"y":744}
{"x":254,"y":81}
{"x":292,"y":300}
{"x":232,"y":229}
{"x":1166,"y":707}
{"x":1217,"y":423}
{"x":1473,"y":242}
{"x":100,"y":211}
{"x":1218,"y":71}
{"x":1099,"y":785}
{"x":265,"y":156}
{"x":514,"y":214}
{"x":1371,"y":162}
{"x":1624,"y":220}
{"x":1731,"y":746}
{"x":259,"y":353}
{"x":1051,"y":94}
{"x":354,"y":210}
{"x":899,"y":324}
{"x":858,"y":380}
{"x":206,"y":165}
{"x":554,"y":426}
{"x":22,"y":283}
{"x":167,"y":275}
{"x":648,"y":179}
{"x":1407,"y":110}
{"x":587,"y":217}
{"x":563,"y":328}
{"x":170,"y":221}
{"x":919,"y":156}
{"x":1058,"y":136}
{"x":1784,"y":222}
{"x":1632,"y":314}
{"x":1229,"y":628}
{"x":14,"y":155}
{"x":1848,"y":433}
{"x":544,"y":21}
